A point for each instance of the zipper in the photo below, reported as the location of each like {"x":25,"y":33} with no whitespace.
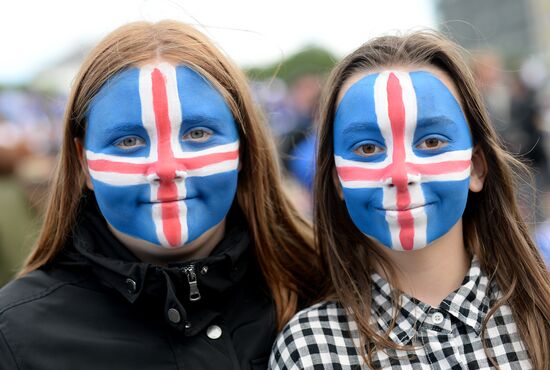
{"x":194,"y":293}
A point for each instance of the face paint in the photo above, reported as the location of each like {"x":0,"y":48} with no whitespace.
{"x":162,"y":150}
{"x":403,"y":151}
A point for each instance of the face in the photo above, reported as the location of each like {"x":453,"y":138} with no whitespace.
{"x":403,"y":154}
{"x":162,"y":150}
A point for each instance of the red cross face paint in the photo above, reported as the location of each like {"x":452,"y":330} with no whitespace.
{"x":163,"y":150}
{"x":403,"y":154}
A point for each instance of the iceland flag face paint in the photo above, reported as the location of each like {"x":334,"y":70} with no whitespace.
{"x":403,"y":153}
{"x":163,"y":150}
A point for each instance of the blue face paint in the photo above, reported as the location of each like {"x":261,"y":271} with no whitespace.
{"x":163,"y":150}
{"x":403,"y":154}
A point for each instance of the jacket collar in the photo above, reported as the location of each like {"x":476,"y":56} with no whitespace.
{"x":93,"y":246}
{"x":469,"y":304}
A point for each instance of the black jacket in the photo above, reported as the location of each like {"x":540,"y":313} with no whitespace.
{"x":97,"y":307}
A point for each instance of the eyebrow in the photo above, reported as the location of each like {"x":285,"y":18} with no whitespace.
{"x":435,"y":120}
{"x":126,"y":127}
{"x":361,"y":126}
{"x":204,"y":119}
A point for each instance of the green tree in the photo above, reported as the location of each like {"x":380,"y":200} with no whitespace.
{"x":310,"y":60}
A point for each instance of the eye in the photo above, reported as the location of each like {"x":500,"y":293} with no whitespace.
{"x":432,"y":143}
{"x":198,"y":135}
{"x":130,"y":142}
{"x":369,"y":149}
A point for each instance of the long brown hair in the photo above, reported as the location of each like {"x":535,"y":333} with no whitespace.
{"x":283,"y":240}
{"x":503,"y":246}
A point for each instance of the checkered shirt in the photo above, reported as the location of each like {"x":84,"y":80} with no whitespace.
{"x":446,"y":337}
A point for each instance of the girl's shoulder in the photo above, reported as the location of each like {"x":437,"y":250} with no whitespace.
{"x":322,"y":334}
{"x":328,"y":315}
{"x":35,"y":286}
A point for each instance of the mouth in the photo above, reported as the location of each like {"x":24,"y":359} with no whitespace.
{"x":409,"y":208}
{"x":169,"y":200}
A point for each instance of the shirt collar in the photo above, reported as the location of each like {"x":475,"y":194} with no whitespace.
{"x":471,"y":301}
{"x":469,"y":304}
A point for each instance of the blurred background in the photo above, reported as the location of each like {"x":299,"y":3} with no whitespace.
{"x":287,"y":48}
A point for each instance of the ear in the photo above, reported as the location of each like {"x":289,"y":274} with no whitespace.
{"x":337,"y":184}
{"x":83,"y":163}
{"x":478,"y":171}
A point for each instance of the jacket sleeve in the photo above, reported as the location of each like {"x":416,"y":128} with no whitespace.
{"x":7,"y":358}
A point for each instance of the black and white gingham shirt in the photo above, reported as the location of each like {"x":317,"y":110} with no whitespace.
{"x":445,"y":337}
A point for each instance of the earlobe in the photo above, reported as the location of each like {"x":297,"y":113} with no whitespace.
{"x":478,"y":170}
{"x":83,"y":163}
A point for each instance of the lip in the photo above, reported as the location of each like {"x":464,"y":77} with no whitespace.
{"x":167,"y":201}
{"x":410,"y":208}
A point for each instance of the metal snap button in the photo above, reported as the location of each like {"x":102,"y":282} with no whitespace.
{"x":214,"y":332}
{"x":174,"y":315}
{"x":437,"y":318}
{"x":131,"y":285}
{"x":204,"y":270}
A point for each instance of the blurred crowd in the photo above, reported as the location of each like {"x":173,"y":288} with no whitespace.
{"x":30,"y":130}
{"x":518,"y":102}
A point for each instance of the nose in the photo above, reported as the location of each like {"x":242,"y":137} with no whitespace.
{"x":165,"y":171}
{"x":402,"y":179}
{"x":413,"y":178}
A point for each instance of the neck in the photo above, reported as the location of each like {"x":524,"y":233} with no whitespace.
{"x":430,"y":274}
{"x":152,"y":253}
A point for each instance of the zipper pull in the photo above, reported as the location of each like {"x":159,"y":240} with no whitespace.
{"x":194,"y":293}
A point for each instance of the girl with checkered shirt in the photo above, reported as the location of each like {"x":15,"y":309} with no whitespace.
{"x":432,"y":266}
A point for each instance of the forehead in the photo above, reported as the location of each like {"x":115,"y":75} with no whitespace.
{"x":119,"y":100}
{"x":432,"y":95}
{"x":435,"y":72}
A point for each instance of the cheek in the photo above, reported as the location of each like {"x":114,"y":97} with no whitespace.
{"x":117,"y":196}
{"x":215,"y":186}
{"x":209,"y":201}
{"x":212,"y":196}
{"x":365,"y":207}
{"x":365,"y":198}
{"x":446,"y":192}
{"x":120,"y":203}
{"x":448,"y":203}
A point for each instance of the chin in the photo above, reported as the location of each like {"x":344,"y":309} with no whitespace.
{"x":162,"y":250}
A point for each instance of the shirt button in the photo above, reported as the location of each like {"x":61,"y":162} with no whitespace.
{"x":437,"y":318}
{"x":214,"y":332}
{"x":174,"y":315}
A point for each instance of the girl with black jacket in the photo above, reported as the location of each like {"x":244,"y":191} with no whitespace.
{"x":167,"y":242}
